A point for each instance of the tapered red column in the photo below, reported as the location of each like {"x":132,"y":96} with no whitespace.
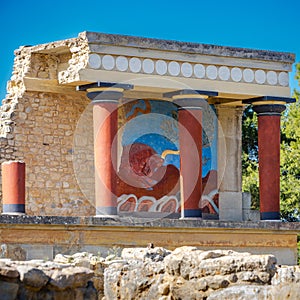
{"x":269,"y":109}
{"x":13,"y":187}
{"x":190,"y":143}
{"x":269,"y":159}
{"x":105,"y":105}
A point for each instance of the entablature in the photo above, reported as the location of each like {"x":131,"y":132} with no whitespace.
{"x":155,"y":67}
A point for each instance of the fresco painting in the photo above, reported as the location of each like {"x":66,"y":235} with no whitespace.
{"x":209,"y":203}
{"x":149,"y":162}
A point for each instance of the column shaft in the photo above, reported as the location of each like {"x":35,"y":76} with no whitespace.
{"x":269,"y":158}
{"x":269,"y":166}
{"x":190,"y":141}
{"x":105,"y":153}
{"x":105,"y":120}
{"x":13,"y":187}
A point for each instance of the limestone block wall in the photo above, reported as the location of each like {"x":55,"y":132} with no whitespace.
{"x":43,"y":137}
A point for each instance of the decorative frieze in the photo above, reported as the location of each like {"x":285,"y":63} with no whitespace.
{"x":187,"y":69}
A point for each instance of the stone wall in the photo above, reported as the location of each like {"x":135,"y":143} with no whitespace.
{"x":151,"y":273}
{"x":43,"y":137}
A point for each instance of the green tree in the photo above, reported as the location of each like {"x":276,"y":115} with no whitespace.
{"x":290,"y":163}
{"x":290,"y":159}
{"x":250,"y":156}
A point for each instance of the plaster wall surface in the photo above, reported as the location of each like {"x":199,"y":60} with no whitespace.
{"x":230,"y":148}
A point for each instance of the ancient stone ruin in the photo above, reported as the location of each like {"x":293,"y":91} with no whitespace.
{"x":151,"y":273}
{"x":110,"y":140}
{"x":107,"y":124}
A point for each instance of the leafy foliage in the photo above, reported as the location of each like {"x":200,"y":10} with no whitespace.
{"x":249,"y":127}
{"x":290,"y":163}
{"x":250,"y":156}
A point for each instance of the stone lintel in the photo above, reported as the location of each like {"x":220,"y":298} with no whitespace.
{"x":47,"y":86}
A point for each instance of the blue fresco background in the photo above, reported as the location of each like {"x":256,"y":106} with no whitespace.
{"x":159,"y":130}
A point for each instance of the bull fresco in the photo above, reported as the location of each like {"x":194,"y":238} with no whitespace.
{"x":149,"y":160}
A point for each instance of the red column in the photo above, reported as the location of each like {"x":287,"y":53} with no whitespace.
{"x":105,"y":117}
{"x":13,"y":187}
{"x":190,"y":143}
{"x":269,"y":159}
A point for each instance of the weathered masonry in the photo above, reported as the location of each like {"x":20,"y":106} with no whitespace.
{"x":112,"y":125}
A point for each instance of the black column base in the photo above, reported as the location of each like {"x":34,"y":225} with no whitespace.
{"x":192,"y":213}
{"x":14,"y":208}
{"x":273,"y":215}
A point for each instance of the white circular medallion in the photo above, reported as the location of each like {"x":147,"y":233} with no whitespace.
{"x":186,"y":69}
{"x":199,"y":71}
{"x":135,"y":65}
{"x":224,"y":73}
{"x":236,"y":74}
{"x":122,"y":63}
{"x":161,"y":67}
{"x":94,"y":61}
{"x":211,"y":72}
{"x":108,"y":62}
{"x":248,"y":75}
{"x":283,"y":79}
{"x":174,"y":68}
{"x":260,"y":76}
{"x":148,"y":66}
{"x":272,"y":77}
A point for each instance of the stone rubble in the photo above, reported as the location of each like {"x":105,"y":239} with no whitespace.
{"x":151,"y":273}
{"x":189,"y":273}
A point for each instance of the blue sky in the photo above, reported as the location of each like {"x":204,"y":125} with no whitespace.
{"x":267,"y":25}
